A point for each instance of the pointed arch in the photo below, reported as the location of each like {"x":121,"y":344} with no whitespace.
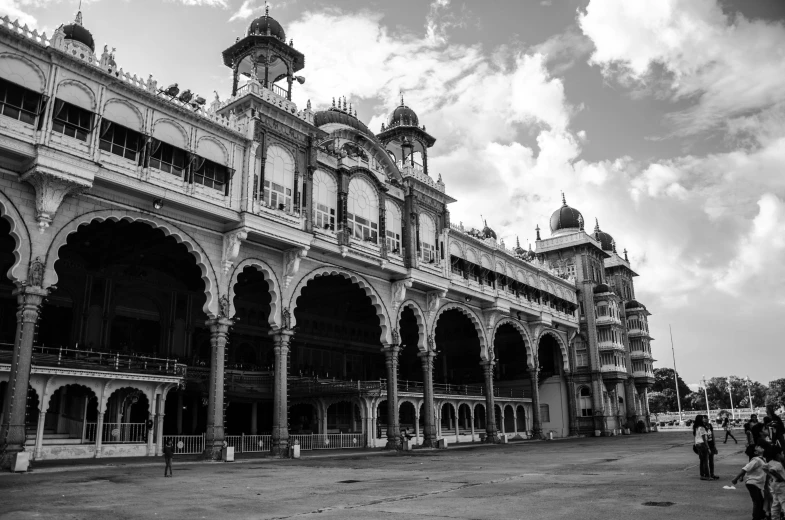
{"x":21,"y":236}
{"x":274,"y":319}
{"x":527,"y":342}
{"x":360,"y":281}
{"x":473,"y":317}
{"x":209,"y":276}
{"x":562,"y":345}
{"x":422,"y":324}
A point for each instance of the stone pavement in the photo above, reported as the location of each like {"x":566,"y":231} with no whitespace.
{"x":585,"y":478}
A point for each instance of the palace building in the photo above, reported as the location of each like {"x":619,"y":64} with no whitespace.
{"x":250,"y":272}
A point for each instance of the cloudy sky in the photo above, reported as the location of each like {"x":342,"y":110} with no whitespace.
{"x":664,"y":120}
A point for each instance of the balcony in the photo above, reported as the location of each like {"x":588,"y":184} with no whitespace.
{"x":643,"y":378}
{"x":611,"y":346}
{"x":638,"y":333}
{"x":614,"y":374}
{"x":607,"y":320}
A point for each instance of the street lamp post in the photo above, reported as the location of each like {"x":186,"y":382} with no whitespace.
{"x":749,"y":392}
{"x":706,"y":394}
{"x":730,"y":394}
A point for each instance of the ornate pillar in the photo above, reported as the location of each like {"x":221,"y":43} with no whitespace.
{"x":416,"y":425}
{"x":572,"y":408}
{"x":280,"y":433}
{"x":159,"y":427}
{"x":152,"y":417}
{"x":29,"y":299}
{"x":471,"y":415}
{"x":214,"y":437}
{"x":536,"y":422}
{"x":39,"y":435}
{"x":492,"y":435}
{"x":429,"y":430}
{"x":99,"y":435}
{"x":630,"y":396}
{"x":393,"y":427}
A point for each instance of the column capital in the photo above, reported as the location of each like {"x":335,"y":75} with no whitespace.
{"x":219,"y":324}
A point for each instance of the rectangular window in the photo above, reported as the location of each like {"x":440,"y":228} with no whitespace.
{"x":119,"y":140}
{"x":324,"y":217}
{"x":18,"y":102}
{"x":393,"y":242}
{"x":363,"y":229}
{"x":277,"y":196}
{"x":72,"y":120}
{"x":168,"y":158}
{"x":427,"y":252}
{"x":545,"y":413}
{"x":212,"y":175}
{"x":582,"y":358}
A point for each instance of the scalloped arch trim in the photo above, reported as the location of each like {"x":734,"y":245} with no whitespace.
{"x":422,"y":325}
{"x":362,"y":283}
{"x":472,"y":317}
{"x":209,"y":278}
{"x":524,"y":336}
{"x":21,"y":236}
{"x":274,"y":319}
{"x":565,"y":357}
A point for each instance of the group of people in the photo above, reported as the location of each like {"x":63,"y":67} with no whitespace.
{"x":763,"y":475}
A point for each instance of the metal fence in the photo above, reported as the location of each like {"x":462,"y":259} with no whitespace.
{"x":186,"y":444}
{"x":124,"y":433}
{"x":329,"y":441}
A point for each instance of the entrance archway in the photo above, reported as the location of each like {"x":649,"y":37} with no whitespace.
{"x":459,"y":356}
{"x":409,"y":364}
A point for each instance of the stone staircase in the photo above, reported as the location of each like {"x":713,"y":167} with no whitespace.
{"x":52,"y":438}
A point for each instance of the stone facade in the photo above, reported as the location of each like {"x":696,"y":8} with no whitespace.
{"x":254,"y":184}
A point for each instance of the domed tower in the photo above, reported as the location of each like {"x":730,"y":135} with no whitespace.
{"x":404,"y":137}
{"x":264,"y":55}
{"x":605,"y":240}
{"x":74,"y":35}
{"x":566,"y":220}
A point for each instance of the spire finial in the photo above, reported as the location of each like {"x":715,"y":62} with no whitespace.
{"x":613,"y":245}
{"x":78,"y":19}
{"x":596,"y":225}
{"x":333,"y":102}
{"x":517,"y":241}
{"x":266,"y":10}
{"x":580,"y":222}
{"x":401,"y":97}
{"x":537,"y":229}
{"x":625,"y":255}
{"x":563,"y":200}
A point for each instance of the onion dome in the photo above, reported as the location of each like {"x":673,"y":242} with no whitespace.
{"x":488,"y":232}
{"x":77,"y":33}
{"x":342,"y":116}
{"x":518,"y":249}
{"x":634,"y":304}
{"x":602,"y":288}
{"x":605,"y":240}
{"x":566,"y":219}
{"x":403,"y":115}
{"x":266,"y":24}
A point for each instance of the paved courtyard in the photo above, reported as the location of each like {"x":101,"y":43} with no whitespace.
{"x":604,"y":478}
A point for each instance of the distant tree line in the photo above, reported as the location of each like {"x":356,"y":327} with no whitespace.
{"x":662,"y":396}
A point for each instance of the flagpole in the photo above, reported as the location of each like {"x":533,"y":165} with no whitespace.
{"x":675,"y":373}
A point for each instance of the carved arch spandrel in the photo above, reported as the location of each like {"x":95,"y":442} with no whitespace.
{"x":376,"y":300}
{"x":422,"y":324}
{"x":209,"y":276}
{"x":274,"y":288}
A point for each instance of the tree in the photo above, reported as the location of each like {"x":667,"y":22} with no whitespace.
{"x":663,"y":381}
{"x":658,"y":402}
{"x":776,"y":392}
{"x":719,"y":396}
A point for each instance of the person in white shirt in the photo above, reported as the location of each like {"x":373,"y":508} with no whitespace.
{"x":776,"y":473}
{"x":701,"y":447}
{"x":755,"y":480}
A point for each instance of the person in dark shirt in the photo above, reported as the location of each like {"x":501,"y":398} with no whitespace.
{"x":168,"y":454}
{"x":777,"y":426}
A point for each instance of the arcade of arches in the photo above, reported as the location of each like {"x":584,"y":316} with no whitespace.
{"x":127,"y":311}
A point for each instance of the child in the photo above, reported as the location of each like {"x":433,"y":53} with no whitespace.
{"x":776,"y":473}
{"x":756,"y":478}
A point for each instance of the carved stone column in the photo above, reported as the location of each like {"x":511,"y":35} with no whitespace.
{"x":393,"y":427}
{"x":629,"y":400}
{"x":29,"y":299}
{"x":491,"y":433}
{"x":536,"y":421}
{"x":280,"y":433}
{"x":429,"y":429}
{"x":214,"y":437}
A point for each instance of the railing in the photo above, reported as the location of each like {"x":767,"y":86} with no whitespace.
{"x":89,"y":432}
{"x":328,"y":441}
{"x":256,"y":443}
{"x":279,"y":90}
{"x":109,"y":360}
{"x":186,"y":444}
{"x":124,"y":433}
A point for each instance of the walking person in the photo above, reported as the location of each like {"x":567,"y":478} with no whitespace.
{"x":712,"y":447}
{"x":728,"y":427}
{"x":701,"y":447}
{"x":755,"y":480}
{"x":168,"y":454}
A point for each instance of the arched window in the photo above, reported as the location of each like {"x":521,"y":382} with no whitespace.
{"x":324,"y":201}
{"x":584,"y":397}
{"x":278,"y":178}
{"x":427,"y":239}
{"x":393,"y":227}
{"x":363,"y":211}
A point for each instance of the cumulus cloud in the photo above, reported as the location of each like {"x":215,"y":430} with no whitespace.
{"x":730,"y":65}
